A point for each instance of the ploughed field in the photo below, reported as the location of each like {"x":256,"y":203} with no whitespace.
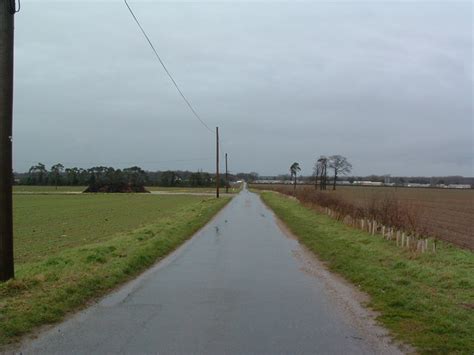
{"x":445,"y":214}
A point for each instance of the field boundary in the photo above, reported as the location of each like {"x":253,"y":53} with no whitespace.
{"x":417,"y":221}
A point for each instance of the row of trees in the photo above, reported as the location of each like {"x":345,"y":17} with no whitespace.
{"x":39,"y":175}
{"x":59,"y":175}
{"x":338,"y":163}
{"x":103,"y":179}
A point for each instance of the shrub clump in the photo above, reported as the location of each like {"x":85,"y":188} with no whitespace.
{"x":104,"y":179}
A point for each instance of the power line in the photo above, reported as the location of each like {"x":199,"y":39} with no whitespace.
{"x":166,"y":69}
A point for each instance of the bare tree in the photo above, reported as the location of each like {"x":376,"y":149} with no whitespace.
{"x":340,"y":165}
{"x":294,"y":168}
{"x":316,"y":172}
{"x":322,"y":166}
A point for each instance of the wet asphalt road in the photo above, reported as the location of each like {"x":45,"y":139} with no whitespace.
{"x":235,"y":288}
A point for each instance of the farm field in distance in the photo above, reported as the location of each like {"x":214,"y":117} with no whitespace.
{"x":43,"y":189}
{"x":67,"y":189}
{"x":447,"y":214}
{"x":71,"y":248}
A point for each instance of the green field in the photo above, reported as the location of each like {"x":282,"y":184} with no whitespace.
{"x":43,"y":189}
{"x":71,"y":248}
{"x":426,"y":300}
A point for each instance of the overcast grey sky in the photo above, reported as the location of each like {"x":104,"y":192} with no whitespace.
{"x":387,"y":84}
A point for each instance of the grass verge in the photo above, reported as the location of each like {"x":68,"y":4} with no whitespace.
{"x":426,"y":300}
{"x":45,"y":290}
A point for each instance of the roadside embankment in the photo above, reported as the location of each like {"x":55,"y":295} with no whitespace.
{"x":426,"y":300}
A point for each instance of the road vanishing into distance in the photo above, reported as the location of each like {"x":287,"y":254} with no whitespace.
{"x":241,"y":285}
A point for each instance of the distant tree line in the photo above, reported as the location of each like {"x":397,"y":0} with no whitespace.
{"x":103,"y":179}
{"x":400,"y":180}
{"x":58,"y":175}
{"x":397,"y":180}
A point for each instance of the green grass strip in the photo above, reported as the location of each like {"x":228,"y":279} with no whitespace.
{"x":426,"y":300}
{"x":44,"y":291}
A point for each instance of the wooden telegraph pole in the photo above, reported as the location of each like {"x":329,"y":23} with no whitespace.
{"x":6,"y":112}
{"x":226,"y":176}
{"x":217,"y":162}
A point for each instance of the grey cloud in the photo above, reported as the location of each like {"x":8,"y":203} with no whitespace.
{"x":387,"y":84}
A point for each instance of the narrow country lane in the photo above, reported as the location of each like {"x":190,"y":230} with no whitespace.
{"x":240,"y":286}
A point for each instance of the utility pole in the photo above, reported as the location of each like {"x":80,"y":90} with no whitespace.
{"x":6,"y":112}
{"x":217,"y":162}
{"x":226,"y":176}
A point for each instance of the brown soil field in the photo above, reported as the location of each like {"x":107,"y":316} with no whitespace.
{"x":445,"y":214}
